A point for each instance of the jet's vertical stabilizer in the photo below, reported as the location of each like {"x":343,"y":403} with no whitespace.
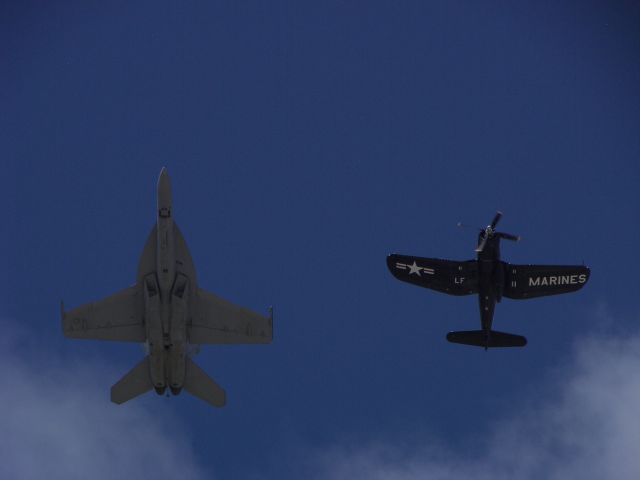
{"x":134,"y":383}
{"x":200,"y":385}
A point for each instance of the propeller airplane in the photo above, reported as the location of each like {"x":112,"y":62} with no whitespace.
{"x":491,"y":279}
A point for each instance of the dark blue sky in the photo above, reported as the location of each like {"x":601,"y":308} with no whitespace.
{"x":306,"y":141}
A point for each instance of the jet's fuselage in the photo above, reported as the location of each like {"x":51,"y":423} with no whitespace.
{"x":166,"y":300}
{"x":165,"y":239}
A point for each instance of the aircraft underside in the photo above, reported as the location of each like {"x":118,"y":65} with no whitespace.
{"x":167,"y":310}
{"x":491,"y":279}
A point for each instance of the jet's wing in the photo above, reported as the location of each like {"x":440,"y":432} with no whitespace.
{"x":118,"y":317}
{"x":216,"y":320}
{"x":530,"y":281}
{"x":446,"y":276}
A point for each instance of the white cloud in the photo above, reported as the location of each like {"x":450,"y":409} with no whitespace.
{"x":584,"y":423}
{"x":57,"y":423}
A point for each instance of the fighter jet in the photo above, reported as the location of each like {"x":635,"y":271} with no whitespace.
{"x":491,"y":279}
{"x":167,"y":311}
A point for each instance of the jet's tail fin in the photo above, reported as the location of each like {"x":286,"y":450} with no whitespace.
{"x":134,"y":383}
{"x":490,"y":339}
{"x":200,"y":385}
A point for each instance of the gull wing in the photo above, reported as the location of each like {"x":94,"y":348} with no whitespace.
{"x":216,"y":320}
{"x":530,"y":281}
{"x":119,"y":317}
{"x":446,"y":276}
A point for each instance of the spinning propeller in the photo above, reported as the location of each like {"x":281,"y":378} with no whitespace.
{"x":490,"y":231}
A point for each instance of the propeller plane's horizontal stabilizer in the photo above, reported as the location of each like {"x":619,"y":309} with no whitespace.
{"x":490,"y":339}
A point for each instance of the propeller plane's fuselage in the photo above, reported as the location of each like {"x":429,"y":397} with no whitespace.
{"x":490,"y":279}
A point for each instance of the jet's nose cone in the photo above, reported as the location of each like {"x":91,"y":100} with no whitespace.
{"x":164,"y":189}
{"x":163,"y":179}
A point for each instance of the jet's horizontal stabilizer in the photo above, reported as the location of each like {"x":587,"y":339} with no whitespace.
{"x":200,"y":385}
{"x":134,"y":383}
{"x":490,"y":339}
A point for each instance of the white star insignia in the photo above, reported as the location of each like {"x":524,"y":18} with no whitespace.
{"x":415,"y":269}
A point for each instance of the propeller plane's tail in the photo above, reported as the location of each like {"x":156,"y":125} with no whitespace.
{"x":487,"y":338}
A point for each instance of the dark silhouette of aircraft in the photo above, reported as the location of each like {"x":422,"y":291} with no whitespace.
{"x":491,"y":279}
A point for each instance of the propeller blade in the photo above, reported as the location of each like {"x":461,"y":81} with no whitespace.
{"x":508,"y":236}
{"x":482,"y":244}
{"x":464,"y":225}
{"x":496,"y":219}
